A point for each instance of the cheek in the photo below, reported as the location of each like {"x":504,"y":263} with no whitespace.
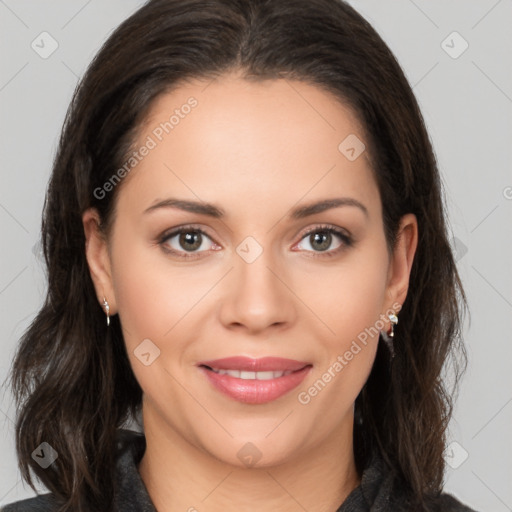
{"x":152,"y":299}
{"x":134,"y":286}
{"x":347,"y":297}
{"x":153,"y":293}
{"x":147,"y":290}
{"x":349,"y":301}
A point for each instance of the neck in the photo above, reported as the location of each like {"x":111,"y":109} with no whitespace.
{"x":181,"y":477}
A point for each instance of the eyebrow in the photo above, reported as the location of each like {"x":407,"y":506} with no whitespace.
{"x":216,"y":212}
{"x":326,"y":204}
{"x":189,"y":206}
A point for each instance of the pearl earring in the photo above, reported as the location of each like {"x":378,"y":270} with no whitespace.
{"x":107,"y":309}
{"x":388,"y":336}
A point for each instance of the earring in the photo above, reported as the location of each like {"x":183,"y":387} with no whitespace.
{"x":107,"y":309}
{"x":388,"y":336}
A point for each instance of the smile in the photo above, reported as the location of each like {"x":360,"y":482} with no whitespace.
{"x":241,"y":374}
{"x":254,"y":381}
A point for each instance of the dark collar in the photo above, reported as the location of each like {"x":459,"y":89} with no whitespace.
{"x":131,"y":494}
{"x":374,"y":491}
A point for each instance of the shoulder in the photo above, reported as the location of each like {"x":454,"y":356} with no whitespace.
{"x":41,"y":503}
{"x":448,"y":503}
{"x":381,"y":489}
{"x":390,"y":493}
{"x":444,"y":502}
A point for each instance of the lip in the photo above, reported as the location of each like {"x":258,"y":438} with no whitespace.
{"x":249,"y":364}
{"x":254,"y":391}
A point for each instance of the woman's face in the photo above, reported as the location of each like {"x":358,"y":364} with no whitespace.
{"x":256,"y":273}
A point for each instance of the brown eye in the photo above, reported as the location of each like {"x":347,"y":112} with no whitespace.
{"x":190,"y":241}
{"x":321,"y":240}
{"x":187,"y":242}
{"x":324,"y":239}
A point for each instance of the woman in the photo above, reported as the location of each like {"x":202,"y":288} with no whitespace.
{"x":243,"y":204}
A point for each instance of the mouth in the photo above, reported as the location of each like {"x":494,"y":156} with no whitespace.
{"x":254,"y":381}
{"x":245,"y":375}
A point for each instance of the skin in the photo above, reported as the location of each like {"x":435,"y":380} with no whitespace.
{"x":256,"y":150}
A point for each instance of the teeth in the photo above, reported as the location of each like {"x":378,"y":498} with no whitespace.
{"x":242,"y":374}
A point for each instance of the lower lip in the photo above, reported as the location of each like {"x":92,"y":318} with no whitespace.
{"x":253,"y":391}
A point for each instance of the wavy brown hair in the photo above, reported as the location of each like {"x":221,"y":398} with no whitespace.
{"x":71,"y":376}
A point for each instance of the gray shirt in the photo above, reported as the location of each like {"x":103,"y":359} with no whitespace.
{"x":376,"y":493}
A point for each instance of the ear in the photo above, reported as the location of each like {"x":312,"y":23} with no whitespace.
{"x":98,"y":258}
{"x":401,"y":261}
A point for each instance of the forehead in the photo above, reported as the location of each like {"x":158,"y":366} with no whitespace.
{"x":276,"y":138}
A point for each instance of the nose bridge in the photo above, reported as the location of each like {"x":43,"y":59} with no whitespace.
{"x":256,"y":298}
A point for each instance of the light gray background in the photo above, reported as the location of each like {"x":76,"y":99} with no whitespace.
{"x":467,"y":103}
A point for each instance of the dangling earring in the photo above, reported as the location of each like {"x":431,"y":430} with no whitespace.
{"x":388,"y":336}
{"x":107,"y":309}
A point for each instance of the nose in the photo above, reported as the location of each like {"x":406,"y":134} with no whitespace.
{"x":257,"y":297}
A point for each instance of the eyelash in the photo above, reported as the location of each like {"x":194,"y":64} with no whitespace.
{"x":346,"y":240}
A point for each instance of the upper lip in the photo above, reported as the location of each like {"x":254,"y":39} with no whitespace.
{"x":255,"y":365}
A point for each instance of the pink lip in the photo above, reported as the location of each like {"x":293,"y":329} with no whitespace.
{"x":253,"y":391}
{"x":248,"y":364}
